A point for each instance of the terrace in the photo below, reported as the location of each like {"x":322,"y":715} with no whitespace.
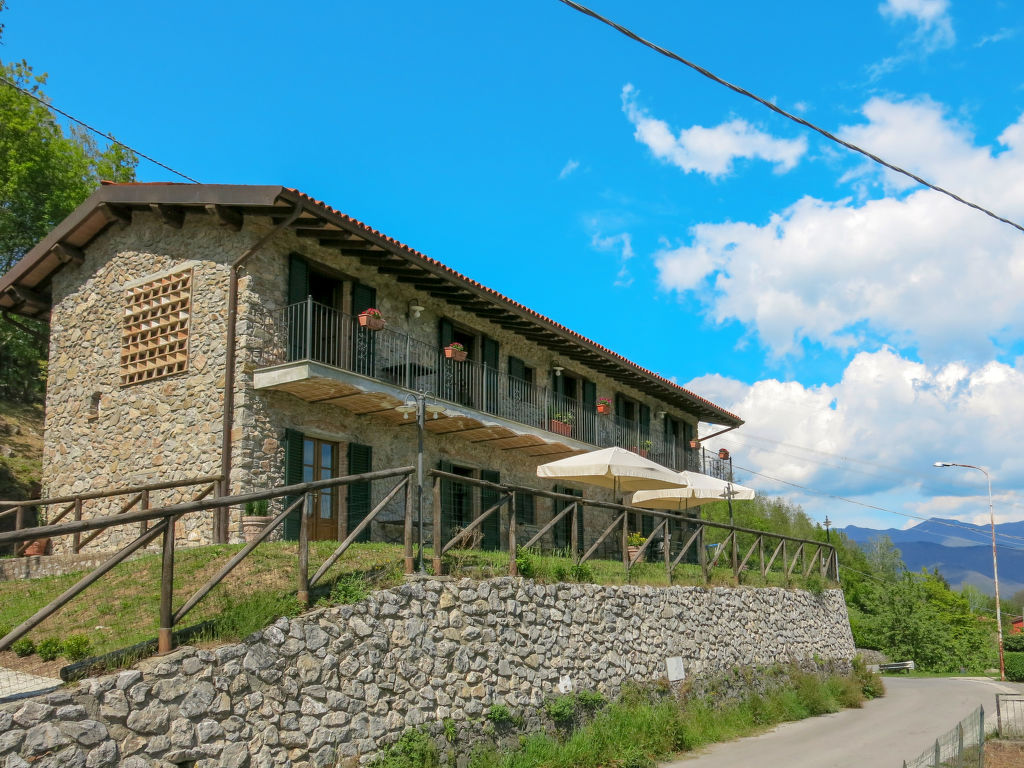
{"x":325,"y":356}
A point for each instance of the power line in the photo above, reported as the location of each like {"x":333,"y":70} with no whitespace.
{"x":826,"y":494}
{"x":778,"y":110}
{"x":97,"y":131}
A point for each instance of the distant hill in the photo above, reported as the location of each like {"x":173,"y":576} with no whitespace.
{"x":963,"y":555}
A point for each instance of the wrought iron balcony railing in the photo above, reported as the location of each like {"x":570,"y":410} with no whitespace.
{"x":318,"y":333}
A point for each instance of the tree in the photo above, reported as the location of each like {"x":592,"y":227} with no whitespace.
{"x":45,"y":171}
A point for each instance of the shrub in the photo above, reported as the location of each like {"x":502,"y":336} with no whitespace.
{"x":526,"y":564}
{"x":499,"y":714}
{"x":414,"y":750}
{"x":561,"y":573}
{"x":349,"y":589}
{"x":583,"y":573}
{"x":814,"y":584}
{"x":1013,"y":642}
{"x":77,"y":647}
{"x":1014,"y":661}
{"x":590,"y":700}
{"x":24,"y":647}
{"x":871,"y":684}
{"x":561,"y":709}
{"x":450,"y":732}
{"x":50,"y":649}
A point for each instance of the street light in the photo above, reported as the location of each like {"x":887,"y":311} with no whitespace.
{"x":995,"y":562}
{"x":418,"y":404}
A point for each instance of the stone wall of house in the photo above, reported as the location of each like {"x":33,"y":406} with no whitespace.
{"x":342,"y":682}
{"x":170,"y":428}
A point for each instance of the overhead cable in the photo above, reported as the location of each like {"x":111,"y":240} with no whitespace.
{"x":778,"y":110}
{"x":97,"y":131}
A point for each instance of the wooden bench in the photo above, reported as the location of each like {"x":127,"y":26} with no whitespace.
{"x":897,"y":666}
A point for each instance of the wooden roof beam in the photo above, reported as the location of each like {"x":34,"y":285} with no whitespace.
{"x":68,"y":254}
{"x":171,"y":215}
{"x":227,"y":217}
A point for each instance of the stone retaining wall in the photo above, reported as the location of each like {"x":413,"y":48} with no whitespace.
{"x":342,"y":682}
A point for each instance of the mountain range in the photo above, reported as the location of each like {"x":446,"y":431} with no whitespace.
{"x":961,"y":551}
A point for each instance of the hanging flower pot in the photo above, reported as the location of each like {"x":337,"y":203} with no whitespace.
{"x":456,"y":352}
{"x":723,"y":453}
{"x":604,"y":405}
{"x":695,"y":443}
{"x":372,"y":319}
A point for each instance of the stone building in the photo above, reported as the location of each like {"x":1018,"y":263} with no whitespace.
{"x":161,"y":298}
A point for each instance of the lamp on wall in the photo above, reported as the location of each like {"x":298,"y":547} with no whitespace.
{"x":557,"y":369}
{"x":415,"y":309}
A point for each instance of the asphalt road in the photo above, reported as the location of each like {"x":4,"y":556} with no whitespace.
{"x":883,"y":733}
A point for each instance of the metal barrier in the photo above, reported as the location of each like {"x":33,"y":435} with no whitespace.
{"x":961,"y":747}
{"x":1010,"y":715}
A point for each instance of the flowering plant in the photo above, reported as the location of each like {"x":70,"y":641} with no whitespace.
{"x":456,"y":347}
{"x":371,"y":312}
{"x":604,"y":401}
{"x":636,"y":539}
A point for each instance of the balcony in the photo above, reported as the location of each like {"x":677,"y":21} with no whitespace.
{"x":321,"y":355}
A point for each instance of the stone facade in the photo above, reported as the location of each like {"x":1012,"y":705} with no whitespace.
{"x":100,"y":434}
{"x":344,"y":681}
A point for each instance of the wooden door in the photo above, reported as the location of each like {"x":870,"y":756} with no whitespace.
{"x":320,"y":462}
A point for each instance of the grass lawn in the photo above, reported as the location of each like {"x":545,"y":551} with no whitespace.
{"x":122,"y":608}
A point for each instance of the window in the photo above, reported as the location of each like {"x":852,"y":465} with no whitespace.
{"x":155,"y":328}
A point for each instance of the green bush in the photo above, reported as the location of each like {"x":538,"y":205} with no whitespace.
{"x":561,"y":709}
{"x":1010,"y":642}
{"x":1014,"y":661}
{"x":50,"y":649}
{"x":350,"y":588}
{"x":24,"y":647}
{"x":499,"y":714}
{"x":526,"y":564}
{"x":814,"y":584}
{"x":414,"y":750}
{"x":871,"y":684}
{"x":77,"y":647}
{"x":590,"y":700}
{"x":582,"y":573}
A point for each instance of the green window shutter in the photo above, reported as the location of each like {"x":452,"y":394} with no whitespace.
{"x":293,"y":442}
{"x":589,"y":395}
{"x":488,"y":498}
{"x":490,"y":361}
{"x":445,"y":332}
{"x":587,"y":424}
{"x":490,"y":352}
{"x":525,"y":511}
{"x":516,"y":368}
{"x":363,"y":297}
{"x":360,"y":460}
{"x":298,"y":279}
{"x":645,"y":418}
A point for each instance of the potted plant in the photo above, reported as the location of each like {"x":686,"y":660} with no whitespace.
{"x":372,"y":319}
{"x":695,"y":443}
{"x":37,"y":546}
{"x":561,"y":422}
{"x":255,"y":519}
{"x":604,"y":405}
{"x":634,"y":541}
{"x":456,"y":352}
{"x":723,"y":453}
{"x":643,"y":448}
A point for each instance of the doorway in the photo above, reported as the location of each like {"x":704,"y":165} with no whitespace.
{"x":320,"y":462}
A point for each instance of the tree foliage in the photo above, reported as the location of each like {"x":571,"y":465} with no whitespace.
{"x":45,"y":171}
{"x":905,"y":615}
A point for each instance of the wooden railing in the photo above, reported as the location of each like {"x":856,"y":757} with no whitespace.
{"x":761,"y":547}
{"x":74,"y":505}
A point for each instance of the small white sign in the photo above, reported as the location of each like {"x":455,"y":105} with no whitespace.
{"x":565,"y":684}
{"x":674,"y":664}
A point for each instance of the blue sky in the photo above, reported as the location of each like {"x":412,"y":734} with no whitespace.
{"x":861,"y":326}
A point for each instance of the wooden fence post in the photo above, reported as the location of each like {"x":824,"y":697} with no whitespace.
{"x":165,"y":637}
{"x":144,"y":504}
{"x":303,"y":588}
{"x":436,"y":517}
{"x":667,"y":545}
{"x":409,"y":563}
{"x":513,"y":566}
{"x":625,"y":543}
{"x":702,"y":555}
{"x":574,"y":537}
{"x":76,"y":537}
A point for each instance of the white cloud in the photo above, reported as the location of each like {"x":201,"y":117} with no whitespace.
{"x":568,"y":168}
{"x":877,"y":431}
{"x":997,"y":37}
{"x":622,"y":242}
{"x":917,"y":270}
{"x":710,"y":150}
{"x":934,"y":25}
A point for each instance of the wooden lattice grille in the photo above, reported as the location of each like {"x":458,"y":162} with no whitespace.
{"x":154,"y":337}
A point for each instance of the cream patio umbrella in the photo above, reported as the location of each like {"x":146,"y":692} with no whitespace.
{"x":699,"y":489}
{"x":614,"y":468}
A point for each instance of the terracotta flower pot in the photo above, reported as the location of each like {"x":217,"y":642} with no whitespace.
{"x":632,"y":552}
{"x":560,"y":428}
{"x":641,"y":452}
{"x":458,"y":355}
{"x":604,"y":408}
{"x":695,"y":443}
{"x":36,"y":547}
{"x":253,"y":525}
{"x":371,"y":322}
{"x":723,"y":453}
